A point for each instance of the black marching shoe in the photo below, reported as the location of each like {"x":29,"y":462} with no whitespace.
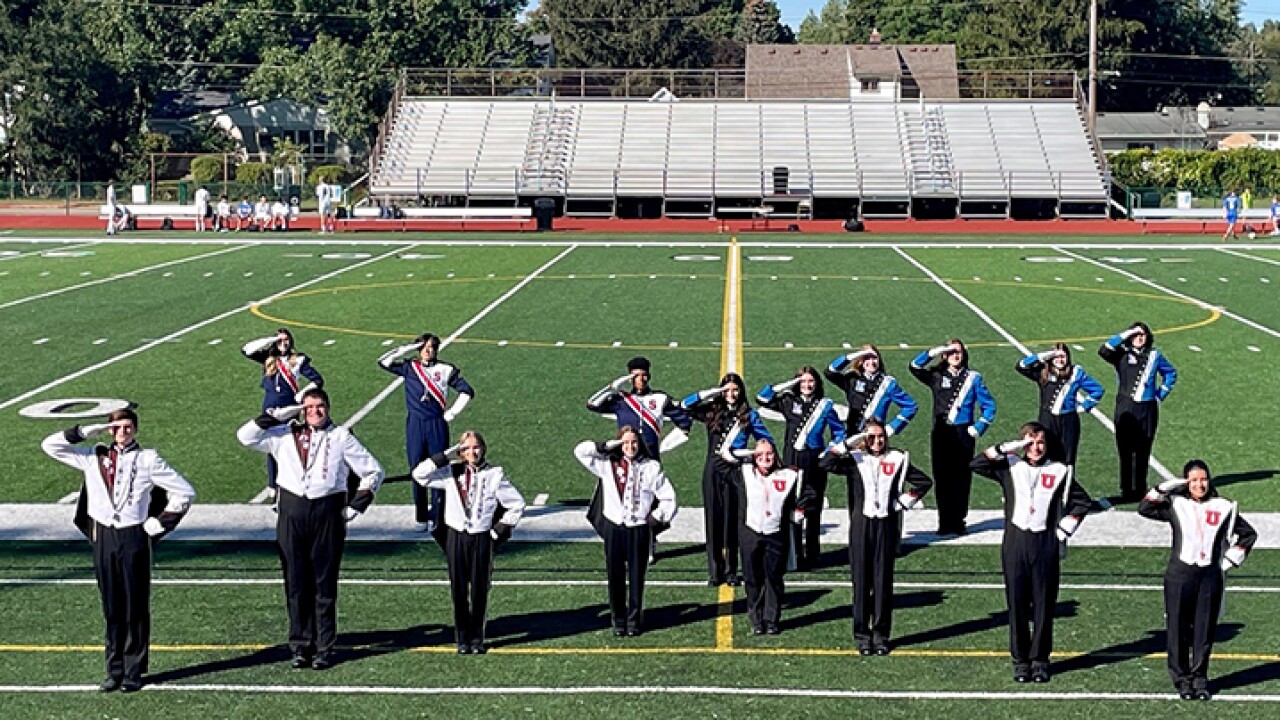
{"x":478,"y":648}
{"x":1184,"y":691}
{"x":634,"y":631}
{"x":300,"y":661}
{"x":734,"y":580}
{"x":133,"y":686}
{"x":1200,"y":692}
{"x":619,"y":631}
{"x":882,"y":649}
{"x":110,"y":684}
{"x":1021,"y":673}
{"x":323,"y":661}
{"x":772,"y":629}
{"x":865,"y":650}
{"x":1040,"y":673}
{"x":464,"y":649}
{"x":757,"y":629}
{"x":715,"y":582}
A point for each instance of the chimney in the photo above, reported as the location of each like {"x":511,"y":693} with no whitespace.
{"x":1203,"y":115}
{"x":875,"y":37}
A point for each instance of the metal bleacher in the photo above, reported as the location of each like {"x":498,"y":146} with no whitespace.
{"x":695,"y":156}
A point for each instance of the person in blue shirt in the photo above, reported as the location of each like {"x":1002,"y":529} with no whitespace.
{"x":731,"y":423}
{"x":1146,"y":378}
{"x":1066,"y":390}
{"x":244,"y":214}
{"x":810,"y":418}
{"x":1275,"y":215}
{"x":869,"y":391}
{"x":1231,"y":213}
{"x":963,"y":409}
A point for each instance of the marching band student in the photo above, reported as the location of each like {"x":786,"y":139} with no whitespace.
{"x":869,"y":391}
{"x":315,"y":458}
{"x":644,"y":409}
{"x":470,"y":527}
{"x":882,"y":484}
{"x":630,"y":487}
{"x":1146,"y":378}
{"x":427,"y":381}
{"x":1209,"y":538}
{"x":1043,"y":506}
{"x":117,"y":517}
{"x":810,"y":417}
{"x":1066,"y":390}
{"x":731,"y":423}
{"x":963,"y":409}
{"x":283,"y":369}
{"x":769,"y":507}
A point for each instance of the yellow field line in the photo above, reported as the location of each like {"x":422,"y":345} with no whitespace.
{"x":724,"y":590}
{"x":730,"y":361}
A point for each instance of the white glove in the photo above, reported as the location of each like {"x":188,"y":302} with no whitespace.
{"x":394,"y":354}
{"x":673,"y":440}
{"x":907,"y":501}
{"x":1232,"y":558}
{"x":838,"y":449}
{"x":744,"y":454}
{"x":1012,"y":447}
{"x":620,"y":383}
{"x":153,"y":527}
{"x":297,"y":397}
{"x":783,"y":387}
{"x":459,"y":403}
{"x":709,"y":393}
{"x":453,"y":452}
{"x":797,"y":517}
{"x":973,"y":432}
{"x":855,"y":356}
{"x":89,"y":431}
{"x":1048,"y":355}
{"x":350,"y":513}
{"x":1169,"y":486}
{"x":853,"y":440}
{"x":935,"y":352}
{"x":612,"y":444}
{"x":1130,"y":333}
{"x":889,"y":431}
{"x":1067,"y":527}
{"x":253,"y":347}
{"x":286,"y":413}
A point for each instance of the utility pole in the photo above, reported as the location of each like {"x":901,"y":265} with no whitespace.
{"x":1093,"y":67}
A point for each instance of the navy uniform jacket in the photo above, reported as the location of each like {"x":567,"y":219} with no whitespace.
{"x":426,"y":386}
{"x":645,"y":412}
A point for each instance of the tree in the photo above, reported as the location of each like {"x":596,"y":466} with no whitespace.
{"x":638,"y":33}
{"x":761,"y":23}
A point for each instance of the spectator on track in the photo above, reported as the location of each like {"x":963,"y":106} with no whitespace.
{"x":279,"y":215}
{"x":244,"y":214}
{"x":481,"y":508}
{"x":202,"y":208}
{"x":882,"y":484}
{"x":731,"y":423}
{"x":262,"y":213}
{"x":963,"y":409}
{"x":1231,"y":214}
{"x":1209,"y":540}
{"x":222,"y":220}
{"x":1043,"y":507}
{"x":635,"y":497}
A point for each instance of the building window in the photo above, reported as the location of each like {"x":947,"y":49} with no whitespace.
{"x":1141,"y":146}
{"x":871,"y":85}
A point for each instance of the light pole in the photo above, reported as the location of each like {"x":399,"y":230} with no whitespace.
{"x":1093,"y":67}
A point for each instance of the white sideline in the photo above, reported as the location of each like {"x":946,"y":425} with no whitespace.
{"x":1174,"y":293}
{"x":120,"y":276}
{"x":190,"y":328}
{"x":640,"y":691}
{"x":391,"y":387}
{"x":1096,"y":413}
{"x":1245,"y":256}
{"x":836,"y":584}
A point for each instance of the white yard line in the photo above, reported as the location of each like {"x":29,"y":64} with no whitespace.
{"x":1101,"y":417}
{"x":261,"y":497}
{"x":559,"y":582}
{"x":190,"y":328}
{"x":121,"y":276}
{"x":390,"y":388}
{"x":1174,"y":293}
{"x":1254,"y":258}
{"x":634,"y":691}
{"x":45,"y":250}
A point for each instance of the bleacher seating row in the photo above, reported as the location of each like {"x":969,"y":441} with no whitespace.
{"x":706,"y":150}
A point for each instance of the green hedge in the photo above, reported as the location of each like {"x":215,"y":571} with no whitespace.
{"x":1203,"y":172}
{"x":254,"y":173}
{"x":207,"y":168}
{"x":331,"y":173}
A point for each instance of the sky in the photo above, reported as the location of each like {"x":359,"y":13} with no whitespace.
{"x":1255,"y":11}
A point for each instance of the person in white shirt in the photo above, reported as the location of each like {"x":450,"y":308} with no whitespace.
{"x":279,"y":215}
{"x":324,"y":200}
{"x":111,"y":208}
{"x":769,"y":509}
{"x":481,"y":508}
{"x":222,"y":219}
{"x":202,"y":208}
{"x":262,"y":213}
{"x":116,"y":515}
{"x":314,"y":503}
{"x":635,"y":496}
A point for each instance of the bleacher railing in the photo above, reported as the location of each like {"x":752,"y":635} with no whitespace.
{"x":705,"y":84}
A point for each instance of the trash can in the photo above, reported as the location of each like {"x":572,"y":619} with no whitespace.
{"x":544,"y":213}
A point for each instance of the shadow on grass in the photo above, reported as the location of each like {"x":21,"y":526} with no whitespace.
{"x":1233,"y":478}
{"x":843,"y":612}
{"x":992,"y":621}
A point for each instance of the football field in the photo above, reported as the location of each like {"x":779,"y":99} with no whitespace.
{"x":537,"y":325}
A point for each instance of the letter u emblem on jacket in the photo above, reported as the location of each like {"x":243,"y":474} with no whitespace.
{"x":1046,"y":480}
{"x":888,"y":467}
{"x":779,"y":485}
{"x":1212,"y":517}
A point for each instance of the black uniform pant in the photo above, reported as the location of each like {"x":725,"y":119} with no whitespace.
{"x":720,"y":514}
{"x":626,"y":560}
{"x":1063,"y":436}
{"x":310,"y":535}
{"x":1192,"y":599}
{"x":873,"y":548}
{"x":1031,"y":575}
{"x":764,"y":564}
{"x":952,"y":449}
{"x":1135,"y":434}
{"x":813,"y":486}
{"x":122,"y":565}
{"x":421,"y":439}
{"x":470,"y":558}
